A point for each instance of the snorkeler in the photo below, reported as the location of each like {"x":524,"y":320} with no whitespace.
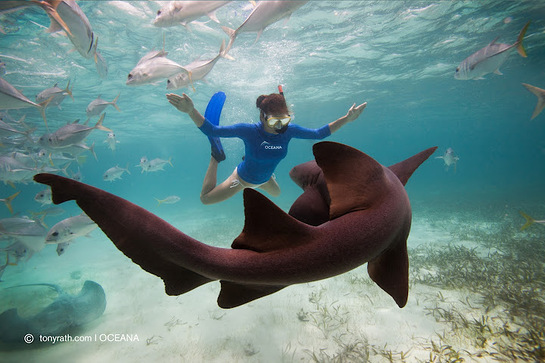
{"x":266,"y":144}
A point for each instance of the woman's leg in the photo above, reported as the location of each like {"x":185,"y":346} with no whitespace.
{"x":212,"y":193}
{"x":271,"y":187}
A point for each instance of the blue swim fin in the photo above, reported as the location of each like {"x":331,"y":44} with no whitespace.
{"x":212,"y":114}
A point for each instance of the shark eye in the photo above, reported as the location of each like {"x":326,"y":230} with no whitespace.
{"x":55,"y":234}
{"x":457,"y":69}
{"x":159,"y":12}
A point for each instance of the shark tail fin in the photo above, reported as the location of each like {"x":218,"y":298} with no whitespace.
{"x":63,"y":189}
{"x":131,"y":228}
{"x":404,"y":169}
{"x":520,"y":47}
{"x":529,"y":220}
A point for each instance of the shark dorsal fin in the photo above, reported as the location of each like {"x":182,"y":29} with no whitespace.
{"x":404,"y":169}
{"x":267,"y":227}
{"x":354,"y":180}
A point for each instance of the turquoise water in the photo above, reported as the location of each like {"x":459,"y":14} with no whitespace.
{"x":400,"y":57}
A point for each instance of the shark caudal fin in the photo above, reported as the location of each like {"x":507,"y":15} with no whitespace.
{"x":261,"y":235}
{"x":145,"y":238}
{"x":62,"y":189}
{"x":354,"y":179}
{"x":404,"y":169}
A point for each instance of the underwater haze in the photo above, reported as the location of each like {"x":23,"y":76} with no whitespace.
{"x":476,"y":276}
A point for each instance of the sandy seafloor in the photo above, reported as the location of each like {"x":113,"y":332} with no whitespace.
{"x":346,"y":318}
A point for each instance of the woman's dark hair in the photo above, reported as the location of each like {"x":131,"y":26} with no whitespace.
{"x":273,"y":104}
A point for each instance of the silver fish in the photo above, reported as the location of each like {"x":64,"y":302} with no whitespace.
{"x":489,"y":59}
{"x":10,"y":99}
{"x":540,"y":94}
{"x":154,"y":165}
{"x":198,"y":70}
{"x":114,"y":173}
{"x":264,"y":14}
{"x":55,"y":95}
{"x":184,"y":12}
{"x":71,"y":134}
{"x":168,"y":200}
{"x":67,"y":15}
{"x":27,"y":231}
{"x":111,"y":141}
{"x":449,"y":158}
{"x":69,"y":229}
{"x":153,"y":67}
{"x":44,"y":197}
{"x":14,"y":171}
{"x":98,"y":105}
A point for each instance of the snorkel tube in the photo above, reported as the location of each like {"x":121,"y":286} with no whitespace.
{"x":285,"y":127}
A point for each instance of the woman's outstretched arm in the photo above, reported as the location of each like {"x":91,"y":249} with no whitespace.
{"x":184,"y":104}
{"x":353,"y":113}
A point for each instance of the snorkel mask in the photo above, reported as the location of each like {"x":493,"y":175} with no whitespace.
{"x":279,"y":124}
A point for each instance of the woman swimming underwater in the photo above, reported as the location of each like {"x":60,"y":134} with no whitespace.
{"x":266,"y":144}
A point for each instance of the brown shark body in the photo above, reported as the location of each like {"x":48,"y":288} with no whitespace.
{"x":353,"y":211}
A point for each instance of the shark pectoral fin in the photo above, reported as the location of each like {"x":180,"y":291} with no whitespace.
{"x":234,"y":294}
{"x":354,"y":179}
{"x":390,"y":271}
{"x":404,"y":169}
{"x":267,"y":227}
{"x":146,"y":239}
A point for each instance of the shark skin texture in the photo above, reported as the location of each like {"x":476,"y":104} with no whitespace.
{"x":353,"y":210}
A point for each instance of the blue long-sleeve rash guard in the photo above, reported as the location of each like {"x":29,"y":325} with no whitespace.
{"x":263,"y":150}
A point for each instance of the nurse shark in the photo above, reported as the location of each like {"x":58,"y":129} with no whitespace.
{"x":360,"y":209}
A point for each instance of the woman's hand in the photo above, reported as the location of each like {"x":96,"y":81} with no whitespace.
{"x":355,"y":111}
{"x":182,"y":103}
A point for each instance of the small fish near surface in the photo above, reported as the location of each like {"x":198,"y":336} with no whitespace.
{"x":69,"y":229}
{"x":264,"y":14}
{"x":70,"y":135}
{"x":114,"y":173}
{"x":168,"y":200}
{"x":98,"y":105}
{"x":152,"y":68}
{"x":489,"y":59}
{"x":540,"y":94}
{"x":67,"y":312}
{"x":197,"y":69}
{"x":366,"y":218}
{"x":183,"y":12}
{"x":449,"y":158}
{"x":55,"y":95}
